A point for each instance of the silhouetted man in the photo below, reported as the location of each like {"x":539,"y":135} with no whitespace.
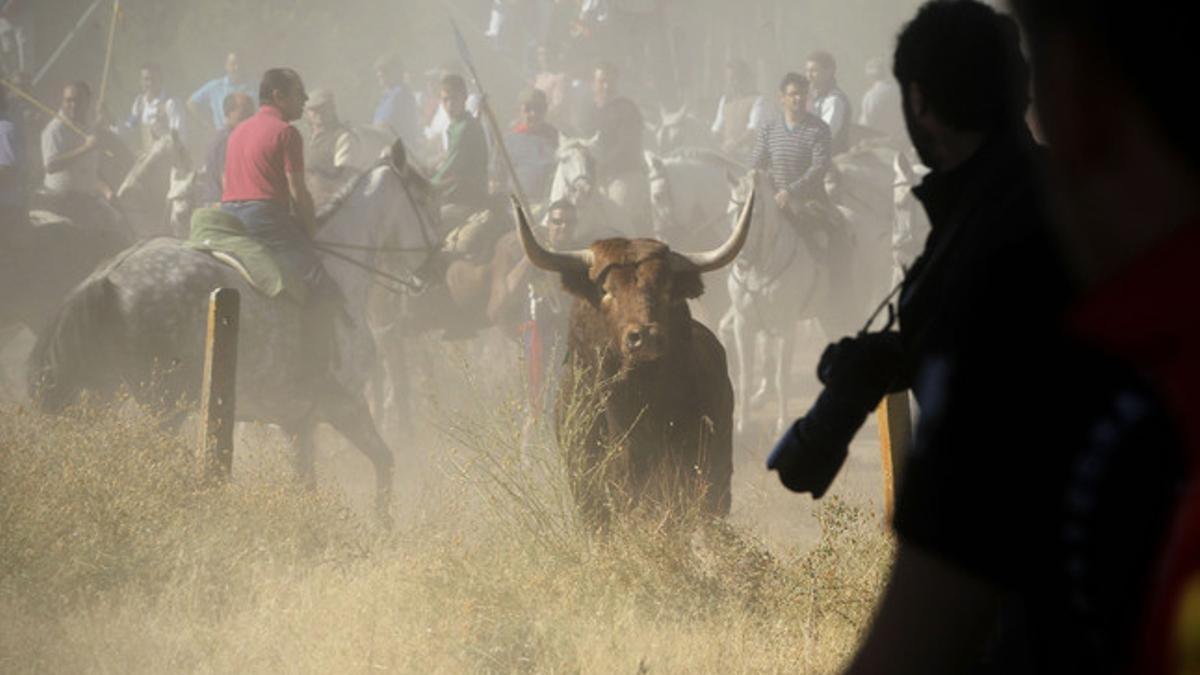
{"x":1031,"y":505}
{"x":1126,"y":168}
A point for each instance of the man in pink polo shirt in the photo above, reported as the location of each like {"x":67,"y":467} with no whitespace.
{"x":265,"y":189}
{"x":264,"y":176}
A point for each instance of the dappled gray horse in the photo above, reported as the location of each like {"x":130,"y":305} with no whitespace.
{"x":138,"y":321}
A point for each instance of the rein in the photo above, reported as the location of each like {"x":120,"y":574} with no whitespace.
{"x":412,"y":283}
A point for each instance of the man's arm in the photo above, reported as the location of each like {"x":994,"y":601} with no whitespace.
{"x":833,"y":113}
{"x":9,"y":169}
{"x":814,"y":176}
{"x":302,"y":201}
{"x":346,"y":152}
{"x":933,"y":618}
{"x":56,"y":160}
{"x":197,"y":103}
{"x":293,"y":167}
{"x":174,"y":115}
{"x":719,"y":120}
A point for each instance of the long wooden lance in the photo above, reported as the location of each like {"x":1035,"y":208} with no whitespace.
{"x":486,"y":109}
{"x":108,"y":52}
{"x":26,"y":96}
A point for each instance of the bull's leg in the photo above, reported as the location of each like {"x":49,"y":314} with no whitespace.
{"x":348,"y":413}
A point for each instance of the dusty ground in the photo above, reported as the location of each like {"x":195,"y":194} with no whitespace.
{"x":114,"y":558}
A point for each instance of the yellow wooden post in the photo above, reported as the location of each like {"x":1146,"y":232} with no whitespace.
{"x":216,"y":395}
{"x":895,"y":441}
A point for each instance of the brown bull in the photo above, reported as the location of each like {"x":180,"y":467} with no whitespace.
{"x":654,"y":379}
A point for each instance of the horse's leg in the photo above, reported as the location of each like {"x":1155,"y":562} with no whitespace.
{"x":785,"y":347}
{"x":301,"y":435}
{"x":393,"y":386}
{"x":348,"y":413}
{"x":741,"y":335}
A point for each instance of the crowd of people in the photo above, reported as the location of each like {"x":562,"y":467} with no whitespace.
{"x":1048,"y":515}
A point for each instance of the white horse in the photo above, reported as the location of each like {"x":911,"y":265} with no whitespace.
{"x":689,"y":200}
{"x":775,"y":283}
{"x":575,"y":181}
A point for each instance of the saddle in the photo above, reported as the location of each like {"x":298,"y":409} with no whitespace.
{"x":222,"y":236}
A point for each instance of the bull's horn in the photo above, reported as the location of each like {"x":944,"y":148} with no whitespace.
{"x":554,"y":261}
{"x":723,"y":254}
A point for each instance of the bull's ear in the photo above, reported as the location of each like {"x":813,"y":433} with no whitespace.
{"x":687,"y":285}
{"x":579,"y":285}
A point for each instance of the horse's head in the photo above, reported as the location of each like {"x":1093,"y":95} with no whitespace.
{"x":661,"y":201}
{"x":575,"y":178}
{"x":387,"y":214}
{"x":673,"y":131}
{"x":166,"y":153}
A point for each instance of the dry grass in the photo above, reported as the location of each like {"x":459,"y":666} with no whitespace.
{"x":114,"y":558}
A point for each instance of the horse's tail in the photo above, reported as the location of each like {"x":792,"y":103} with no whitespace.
{"x":74,"y":344}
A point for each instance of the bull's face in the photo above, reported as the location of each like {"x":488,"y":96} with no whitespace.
{"x":640,"y":297}
{"x":639,"y":287}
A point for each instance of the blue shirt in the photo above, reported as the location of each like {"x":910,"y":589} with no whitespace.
{"x":397,"y":112}
{"x":12,"y":157}
{"x":213,"y":95}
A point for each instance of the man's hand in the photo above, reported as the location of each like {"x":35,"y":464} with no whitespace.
{"x":90,"y":142}
{"x":857,"y":358}
{"x":782,"y":198}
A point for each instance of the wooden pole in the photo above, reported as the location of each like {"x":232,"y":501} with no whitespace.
{"x":895,"y":441}
{"x":112,"y":34}
{"x":216,"y":395}
{"x":66,"y":41}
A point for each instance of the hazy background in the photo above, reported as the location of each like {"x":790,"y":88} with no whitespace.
{"x":334,"y":43}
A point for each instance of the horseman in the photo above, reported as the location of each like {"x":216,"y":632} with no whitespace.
{"x":334,"y":150}
{"x":238,"y":108}
{"x":828,"y":101}
{"x":14,"y":209}
{"x":462,"y":174}
{"x":153,"y":114}
{"x":265,"y":190}
{"x":740,"y":112}
{"x":207,"y":102}
{"x":73,"y":187}
{"x":619,"y":149}
{"x":397,"y":109}
{"x":796,"y":152}
{"x":532,"y":143}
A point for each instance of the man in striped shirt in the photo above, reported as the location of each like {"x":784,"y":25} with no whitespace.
{"x":795,"y":151}
{"x":795,"y":148}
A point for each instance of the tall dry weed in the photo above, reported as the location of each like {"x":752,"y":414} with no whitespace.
{"x":114,"y":557}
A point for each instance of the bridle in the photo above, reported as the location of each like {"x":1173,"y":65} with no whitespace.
{"x":409,"y":283}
